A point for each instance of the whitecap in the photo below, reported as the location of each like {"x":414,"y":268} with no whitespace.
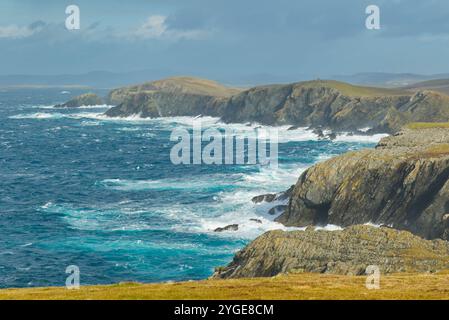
{"x":97,"y":106}
{"x":39,"y":115}
{"x":346,"y":137}
{"x":27,"y":244}
{"x":188,"y":183}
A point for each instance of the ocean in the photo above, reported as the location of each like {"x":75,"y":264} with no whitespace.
{"x":81,"y":189}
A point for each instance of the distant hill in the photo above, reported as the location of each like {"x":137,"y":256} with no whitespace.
{"x":96,"y":79}
{"x":439,"y":85}
{"x":388,"y":79}
{"x":110,"y":80}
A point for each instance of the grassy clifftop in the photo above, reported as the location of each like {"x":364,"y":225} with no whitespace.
{"x":440,"y":85}
{"x":354,"y":90}
{"x":175,"y":85}
{"x":286,"y":287}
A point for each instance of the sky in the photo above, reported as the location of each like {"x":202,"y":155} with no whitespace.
{"x":225,"y":38}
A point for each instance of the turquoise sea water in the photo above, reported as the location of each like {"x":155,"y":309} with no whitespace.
{"x":80,"y":189}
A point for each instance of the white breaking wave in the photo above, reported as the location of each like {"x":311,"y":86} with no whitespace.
{"x":39,"y":115}
{"x":44,"y":106}
{"x":190,"y":183}
{"x":346,"y":137}
{"x":52,"y":107}
{"x":231,"y":205}
{"x":227,"y":206}
{"x":285,"y":133}
{"x":97,"y":106}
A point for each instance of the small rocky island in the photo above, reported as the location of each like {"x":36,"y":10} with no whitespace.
{"x":86,"y":99}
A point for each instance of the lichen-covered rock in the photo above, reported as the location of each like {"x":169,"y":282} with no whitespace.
{"x":348,"y":251}
{"x":403,"y":183}
{"x":87,"y":99}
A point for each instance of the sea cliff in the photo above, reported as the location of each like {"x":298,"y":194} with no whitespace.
{"x":403,"y":183}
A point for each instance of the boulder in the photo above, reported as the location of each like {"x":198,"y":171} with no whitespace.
{"x":231,"y":227}
{"x":270,"y":197}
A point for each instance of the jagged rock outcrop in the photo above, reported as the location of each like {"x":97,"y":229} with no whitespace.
{"x":317,"y":104}
{"x":403,"y":183}
{"x":348,"y":251}
{"x":87,"y":99}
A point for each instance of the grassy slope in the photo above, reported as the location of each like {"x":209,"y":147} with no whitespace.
{"x":208,"y":87}
{"x":292,"y":287}
{"x":440,"y":85}
{"x":427,"y":125}
{"x":355,"y":91}
{"x":184,"y":84}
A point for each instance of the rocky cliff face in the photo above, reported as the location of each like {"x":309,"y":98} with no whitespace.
{"x":336,"y":105}
{"x":403,"y":183}
{"x":87,"y":99}
{"x":348,"y":251}
{"x":331,"y":104}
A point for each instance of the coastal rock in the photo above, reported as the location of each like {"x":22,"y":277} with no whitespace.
{"x":231,"y":227}
{"x":271,"y":197}
{"x":87,"y":99}
{"x":277,"y":210}
{"x":403,"y":183}
{"x":348,"y":251}
{"x":318,"y":132}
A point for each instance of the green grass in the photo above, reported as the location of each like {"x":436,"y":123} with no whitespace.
{"x":355,"y":91}
{"x":439,"y":85}
{"x":427,"y":125}
{"x":184,"y":84}
{"x":285,"y":287}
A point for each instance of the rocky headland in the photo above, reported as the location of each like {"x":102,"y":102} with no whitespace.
{"x":392,"y":203}
{"x":318,"y":104}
